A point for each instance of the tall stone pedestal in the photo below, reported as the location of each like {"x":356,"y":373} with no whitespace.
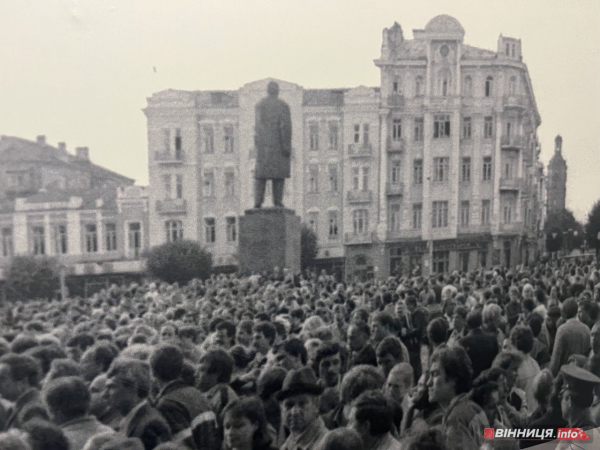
{"x":269,"y":237}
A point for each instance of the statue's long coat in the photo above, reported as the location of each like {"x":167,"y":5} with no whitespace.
{"x":273,"y":138}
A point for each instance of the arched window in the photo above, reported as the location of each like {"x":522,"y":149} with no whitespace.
{"x":468,"y":86}
{"x":174,"y":230}
{"x":512,"y":86}
{"x":489,"y":84}
{"x":419,"y":86}
{"x":445,"y":83}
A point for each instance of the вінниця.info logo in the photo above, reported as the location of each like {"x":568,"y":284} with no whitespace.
{"x":536,"y":434}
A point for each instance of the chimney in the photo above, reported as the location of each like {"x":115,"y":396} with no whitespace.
{"x":62,"y":146}
{"x":83,"y":153}
{"x":41,"y":139}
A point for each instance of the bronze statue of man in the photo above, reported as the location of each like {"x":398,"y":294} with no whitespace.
{"x":273,"y":141}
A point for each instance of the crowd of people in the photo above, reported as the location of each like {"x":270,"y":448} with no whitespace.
{"x":298,"y":362}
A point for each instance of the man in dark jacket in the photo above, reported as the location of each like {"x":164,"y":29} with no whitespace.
{"x":362,"y":352}
{"x":273,"y":141}
{"x":481,"y":347}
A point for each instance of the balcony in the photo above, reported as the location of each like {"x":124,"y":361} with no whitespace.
{"x":360,"y":150}
{"x":474,"y":229}
{"x":512,"y":141}
{"x":511,"y":228}
{"x":511,"y":184}
{"x":355,"y":197}
{"x":395,"y":101}
{"x":394,"y":188}
{"x":515,"y":101}
{"x":359,"y":238}
{"x":395,"y":146}
{"x":169,"y":158}
{"x":171,"y":206}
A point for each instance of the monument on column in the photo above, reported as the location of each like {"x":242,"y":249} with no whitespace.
{"x":270,"y":237}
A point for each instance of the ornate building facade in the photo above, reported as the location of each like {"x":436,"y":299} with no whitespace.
{"x":435,"y":169}
{"x":557,"y":179}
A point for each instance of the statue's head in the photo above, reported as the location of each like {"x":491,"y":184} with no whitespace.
{"x":273,"y":89}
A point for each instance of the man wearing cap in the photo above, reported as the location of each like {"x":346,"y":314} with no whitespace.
{"x":299,"y":399}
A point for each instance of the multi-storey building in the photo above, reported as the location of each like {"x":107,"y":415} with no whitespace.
{"x":436,"y":169}
{"x":557,"y":179}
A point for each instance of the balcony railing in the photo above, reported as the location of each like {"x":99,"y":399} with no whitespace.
{"x":395,"y":101}
{"x":474,"y":229}
{"x":359,"y":150}
{"x":511,"y":184}
{"x":172,"y":205}
{"x":394,"y":188}
{"x":170,"y":158}
{"x":512,"y":141}
{"x":515,"y":101}
{"x":511,"y":227}
{"x":395,"y":146}
{"x":359,"y":238}
{"x":359,"y":196}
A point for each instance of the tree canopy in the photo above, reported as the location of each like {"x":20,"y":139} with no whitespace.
{"x":179,"y":261}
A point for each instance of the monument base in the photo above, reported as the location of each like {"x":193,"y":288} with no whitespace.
{"x":268,"y":238}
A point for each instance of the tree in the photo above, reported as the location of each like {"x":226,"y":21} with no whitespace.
{"x":308,"y":247}
{"x":179,"y":261}
{"x":592,"y":227}
{"x":563,"y":221}
{"x":32,"y":277}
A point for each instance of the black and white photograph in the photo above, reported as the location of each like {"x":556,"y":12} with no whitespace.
{"x":299,"y":225}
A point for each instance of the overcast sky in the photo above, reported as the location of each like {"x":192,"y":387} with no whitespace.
{"x":79,"y":71}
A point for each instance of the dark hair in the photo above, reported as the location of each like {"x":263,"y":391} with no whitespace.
{"x":22,"y":367}
{"x":166,"y":362}
{"x":362,"y":327}
{"x":295,"y":347}
{"x":297,"y":313}
{"x":385,"y":320}
{"x":342,"y":439}
{"x":44,"y":435}
{"x":390,"y":345}
{"x":461,"y":311}
{"x":68,"y":397}
{"x":428,"y":439}
{"x":456,"y":365}
{"x":437,"y":330}
{"x":23,"y":342}
{"x":250,"y":408}
{"x":219,"y":362}
{"x":45,"y":355}
{"x":373,"y":406}
{"x":325,"y":351}
{"x":267,"y":330}
{"x":521,"y":337}
{"x":569,"y":308}
{"x":132,"y":371}
{"x":228,"y":326}
{"x":528,"y":304}
{"x":474,"y":319}
{"x":535,"y":322}
{"x":240,"y":356}
{"x":245,"y":325}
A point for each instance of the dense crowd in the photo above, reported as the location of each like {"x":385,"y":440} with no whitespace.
{"x":301,"y":362}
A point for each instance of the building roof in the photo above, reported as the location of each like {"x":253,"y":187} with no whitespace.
{"x":444,"y":24}
{"x":323,"y":97}
{"x":469,"y":52}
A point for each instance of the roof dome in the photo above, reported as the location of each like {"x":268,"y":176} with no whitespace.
{"x":444,"y":24}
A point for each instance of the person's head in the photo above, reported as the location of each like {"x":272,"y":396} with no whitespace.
{"x":587,"y":312}
{"x":128,"y":383}
{"x":514,"y":293}
{"x":389,"y":353}
{"x":474,"y":319}
{"x":243,"y":333}
{"x":270,"y":381}
{"x":97,"y":360}
{"x":509,"y":361}
{"x":371,"y":415}
{"x":451,"y":374}
{"x":382,"y":326}
{"x":272,"y":89}
{"x":341,"y":439}
{"x":299,"y":399}
{"x":225,"y":334}
{"x":264,"y":334}
{"x":18,"y":373}
{"x":459,"y":318}
{"x":521,"y":338}
{"x":216,"y":366}
{"x":358,"y":336}
{"x":328,"y":363}
{"x":14,"y":439}
{"x":491,"y":316}
{"x":244,"y":421}
{"x":359,"y":379}
{"x":448,"y":292}
{"x":437,"y":331}
{"x":595,"y":338}
{"x":169,"y":333}
{"x":399,"y":382}
{"x":67,"y":398}
{"x":292,"y":354}
{"x":428,"y":439}
{"x":569,"y":308}
{"x":542,"y":387}
{"x":577,"y":390}
{"x":44,"y":435}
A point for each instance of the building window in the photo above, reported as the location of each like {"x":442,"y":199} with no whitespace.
{"x":419,"y":129}
{"x":365,"y":178}
{"x":488,"y":127}
{"x":441,"y":126}
{"x":463,"y":261}
{"x":395,"y":217}
{"x":509,"y":170}
{"x":397,"y":86}
{"x":333,"y":224}
{"x":179,"y":186}
{"x":313,"y":135}
{"x":178,"y":145}
{"x":209,"y":140}
{"x":110,"y":230}
{"x":333,"y":178}
{"x":208,"y":187}
{"x":174,"y":230}
{"x":333,"y":135}
{"x":512,"y":86}
{"x":60,"y":239}
{"x":167,"y":185}
{"x":489,"y":85}
{"x":7,"y":242}
{"x":441,"y":168}
{"x":166,"y":141}
{"x":134,"y":236}
{"x":395,"y":172}
{"x":419,"y":86}
{"x":360,"y":221}
{"x":366,"y":139}
{"x":417,"y":216}
{"x":38,"y":241}
{"x":396,"y":129}
{"x":229,"y":184}
{"x":486,"y":210}
{"x":483,"y":258}
{"x":210,"y":230}
{"x":465,"y":170}
{"x":228,"y":139}
{"x":507,"y":214}
{"x":468,"y":86}
{"x":439,"y":214}
{"x":313,"y":222}
{"x":313,"y":179}
{"x":418,"y":171}
{"x":356,"y":133}
{"x":441,"y":262}
{"x":356,"y":178}
{"x":445,"y":83}
{"x":465,"y":213}
{"x":487,"y":168}
{"x":231,"y":229}
{"x":466,"y":128}
{"x":91,"y":238}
